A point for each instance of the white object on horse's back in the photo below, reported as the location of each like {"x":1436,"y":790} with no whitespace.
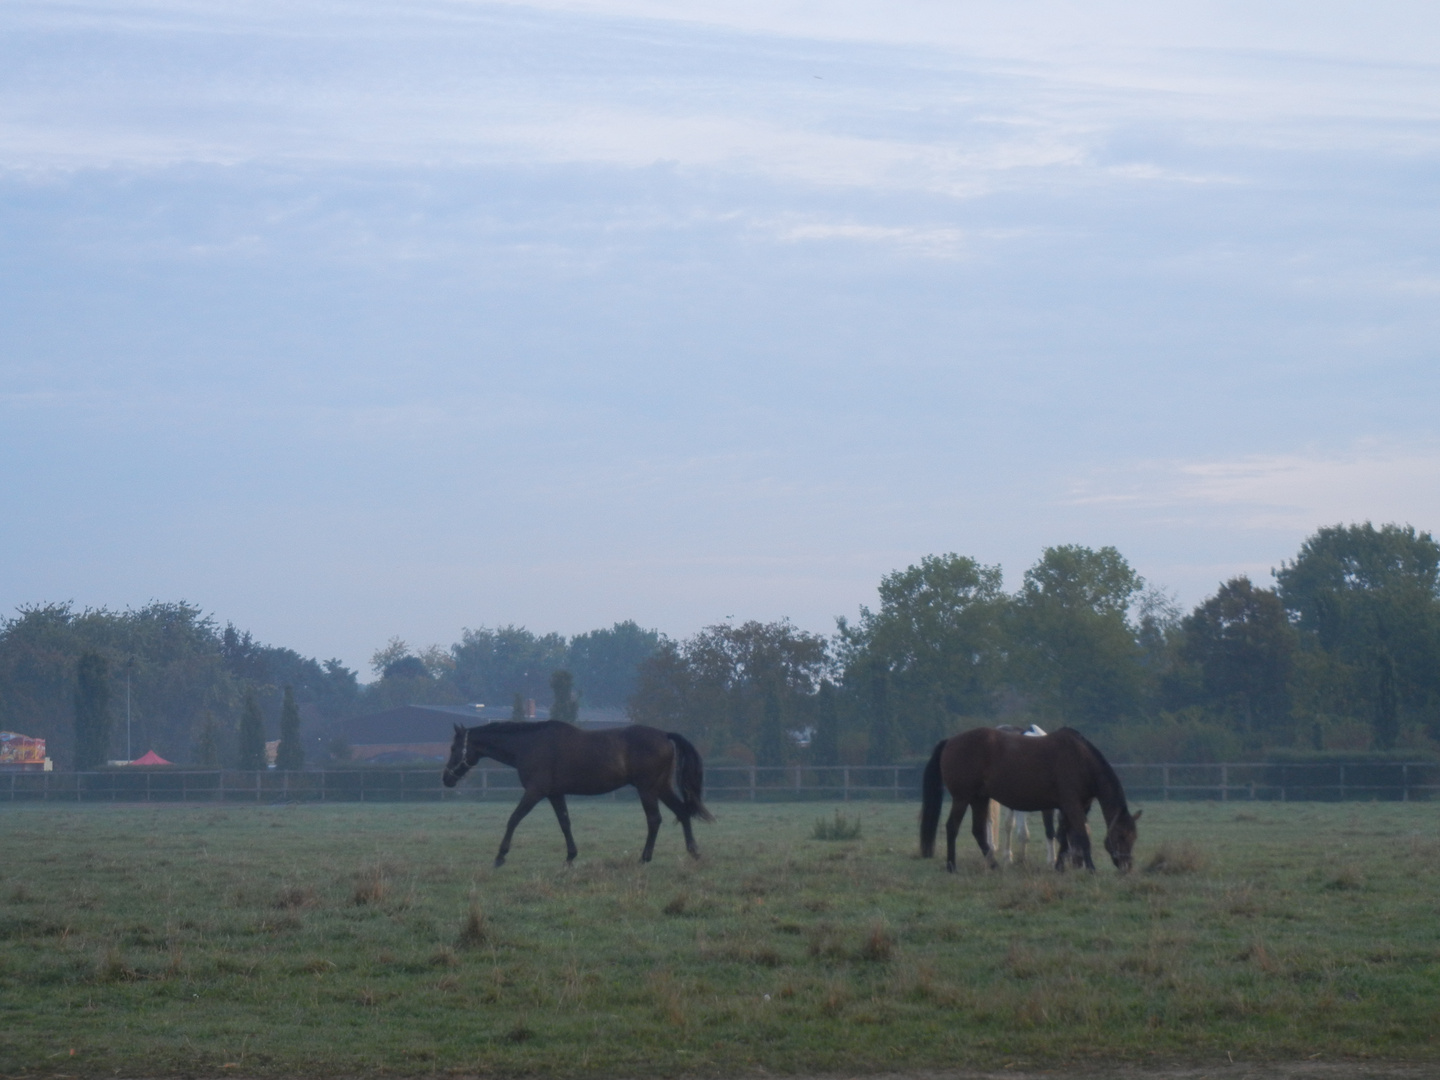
{"x":1035,"y":731}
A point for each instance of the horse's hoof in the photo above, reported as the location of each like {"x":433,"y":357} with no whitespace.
{"x":499,"y":861}
{"x":949,"y":867}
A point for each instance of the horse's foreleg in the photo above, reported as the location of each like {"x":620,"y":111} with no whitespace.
{"x":980,"y":829}
{"x":677,"y":807}
{"x":1048,"y":816}
{"x":562,"y":815}
{"x":1074,"y":840}
{"x":952,"y":829}
{"x":1019,"y":835}
{"x":524,"y":806}
{"x":993,"y":827}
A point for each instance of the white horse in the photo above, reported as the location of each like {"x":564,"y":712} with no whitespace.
{"x":1010,"y":829}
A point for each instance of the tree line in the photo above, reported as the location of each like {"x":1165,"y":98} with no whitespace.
{"x":172,"y":679}
{"x":1341,"y":653}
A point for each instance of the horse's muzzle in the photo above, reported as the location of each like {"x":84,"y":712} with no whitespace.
{"x":449,"y":779}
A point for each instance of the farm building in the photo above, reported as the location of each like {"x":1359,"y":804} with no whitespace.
{"x":424,"y":732}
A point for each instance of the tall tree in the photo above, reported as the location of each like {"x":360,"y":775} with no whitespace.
{"x":1368,"y":600}
{"x":1073,"y":646}
{"x":207,"y":741}
{"x":251,"y":750}
{"x":495,"y":664}
{"x":290,"y":754}
{"x":734,"y":687}
{"x":92,"y":712}
{"x":562,"y":689}
{"x":606,"y":663}
{"x":882,"y":743}
{"x":938,"y":637}
{"x":1243,"y":645}
{"x":825,"y":739}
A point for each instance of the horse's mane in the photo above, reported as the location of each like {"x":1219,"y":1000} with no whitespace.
{"x":1109,"y":782}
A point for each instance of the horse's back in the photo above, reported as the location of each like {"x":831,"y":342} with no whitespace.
{"x":1021,"y":772}
{"x":597,"y":762}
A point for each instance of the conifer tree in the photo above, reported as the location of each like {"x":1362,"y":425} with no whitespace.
{"x":825,"y":742}
{"x":207,"y":745}
{"x":566,"y":708}
{"x":252,"y":736}
{"x":289,"y":754}
{"x":92,"y":712}
{"x":882,"y":724}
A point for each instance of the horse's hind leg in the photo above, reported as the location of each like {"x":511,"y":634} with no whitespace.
{"x":1048,"y":816}
{"x":652,"y":823}
{"x":677,"y":807}
{"x":980,"y":828}
{"x":952,"y":829}
{"x":524,"y":806}
{"x":1019,"y":835}
{"x":562,"y":815}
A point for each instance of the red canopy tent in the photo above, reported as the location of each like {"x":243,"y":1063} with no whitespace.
{"x":150,"y":758}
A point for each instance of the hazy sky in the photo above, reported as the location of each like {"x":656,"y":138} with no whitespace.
{"x":346,"y":320}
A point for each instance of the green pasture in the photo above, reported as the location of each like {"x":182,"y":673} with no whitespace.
{"x":364,"y":939}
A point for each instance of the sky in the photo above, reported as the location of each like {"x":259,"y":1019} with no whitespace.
{"x":349,"y":321}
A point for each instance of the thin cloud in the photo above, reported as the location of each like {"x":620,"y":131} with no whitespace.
{"x":1371,"y":482}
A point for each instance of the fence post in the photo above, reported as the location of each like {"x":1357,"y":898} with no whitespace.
{"x":1165,"y":781}
{"x":1342,"y":783}
{"x":1404,"y":783}
{"x":1224,"y":783}
{"x":895,"y":793}
{"x":752,"y":783}
{"x":845,"y":780}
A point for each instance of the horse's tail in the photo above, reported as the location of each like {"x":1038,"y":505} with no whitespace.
{"x":932,"y":795}
{"x":689,"y":776}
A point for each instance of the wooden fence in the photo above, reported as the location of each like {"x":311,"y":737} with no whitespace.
{"x":1143,"y":783}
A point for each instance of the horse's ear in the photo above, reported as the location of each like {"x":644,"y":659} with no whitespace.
{"x":1136,"y":816}
{"x":459,"y":729}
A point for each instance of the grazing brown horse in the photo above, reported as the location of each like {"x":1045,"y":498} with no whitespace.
{"x":556,"y":759}
{"x":1062,"y":771}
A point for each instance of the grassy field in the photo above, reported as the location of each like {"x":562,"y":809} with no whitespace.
{"x":366,"y":939}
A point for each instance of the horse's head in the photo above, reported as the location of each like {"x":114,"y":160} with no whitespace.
{"x":463,"y":757}
{"x":1120,"y":838}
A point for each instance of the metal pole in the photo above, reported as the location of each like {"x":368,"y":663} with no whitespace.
{"x":129,"y":750}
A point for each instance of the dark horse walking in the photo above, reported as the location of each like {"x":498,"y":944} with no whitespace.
{"x":556,"y":759}
{"x":1061,"y":771}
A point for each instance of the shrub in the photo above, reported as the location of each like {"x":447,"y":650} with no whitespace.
{"x":838,"y":828}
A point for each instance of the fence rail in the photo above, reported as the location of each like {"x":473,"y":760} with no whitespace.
{"x":1400,"y":782}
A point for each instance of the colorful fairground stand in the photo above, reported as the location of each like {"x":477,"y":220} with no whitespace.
{"x":20,"y":753}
